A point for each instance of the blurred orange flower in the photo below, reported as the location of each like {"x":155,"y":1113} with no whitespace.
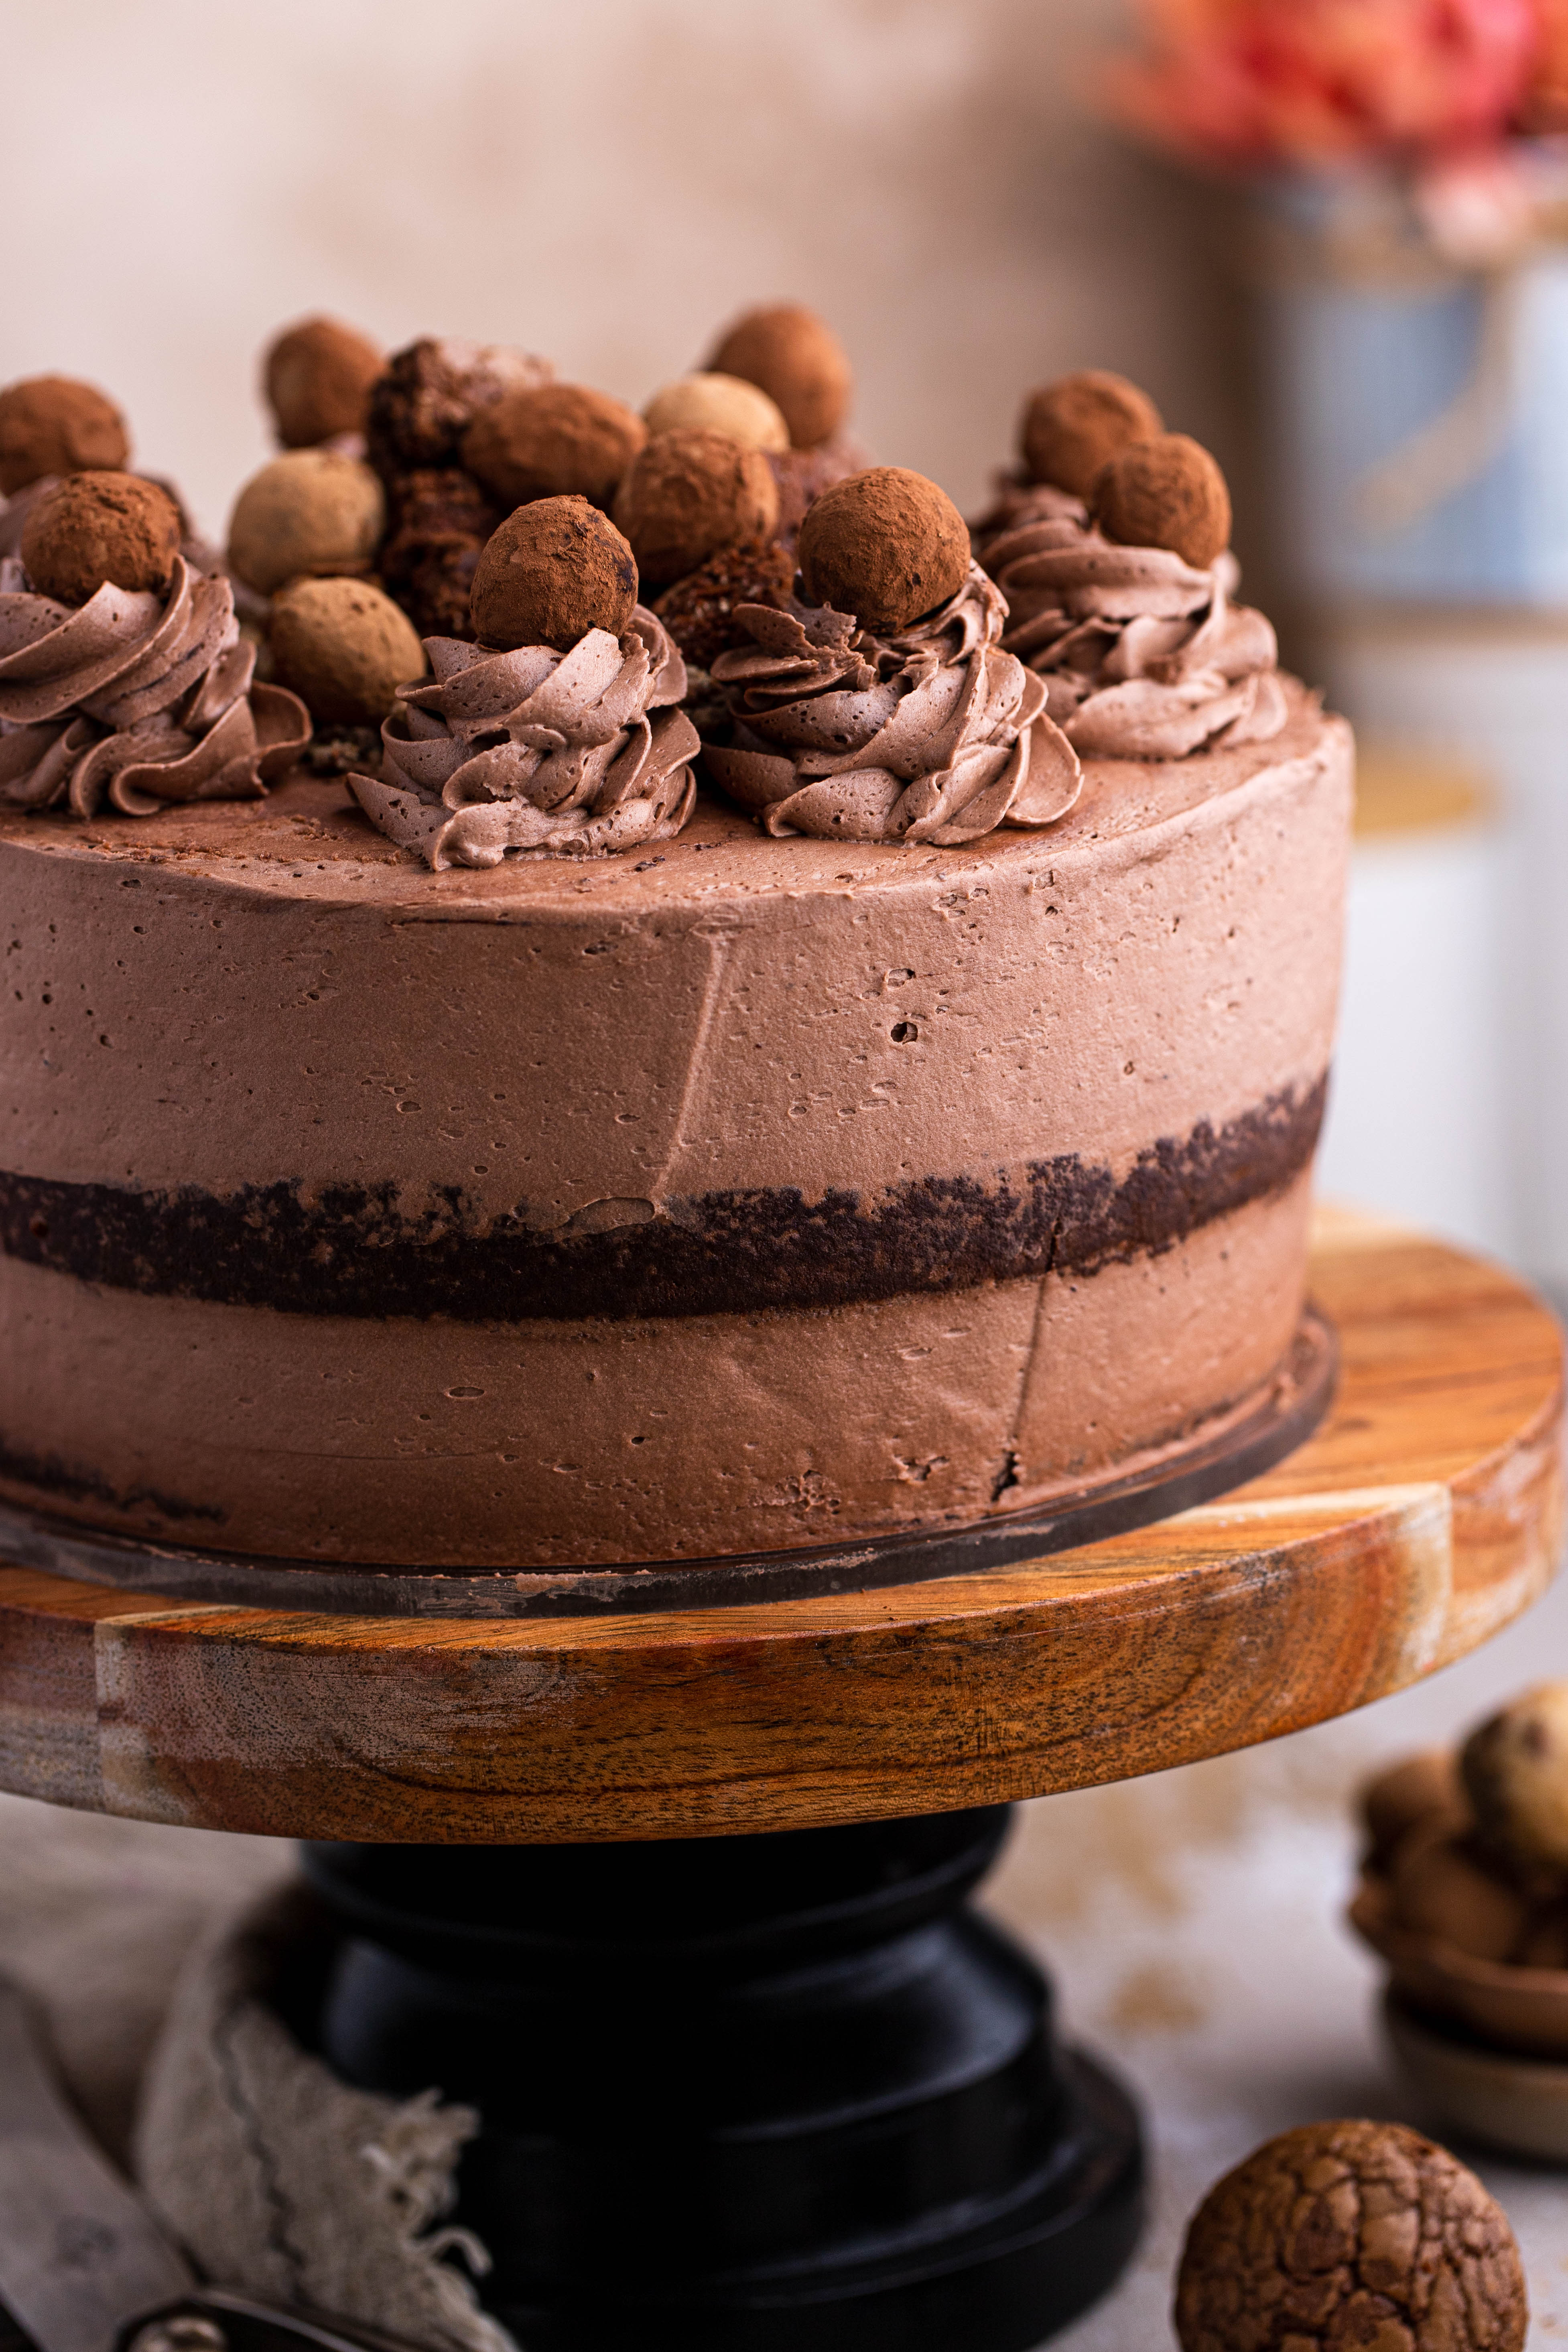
{"x":1253,"y":82}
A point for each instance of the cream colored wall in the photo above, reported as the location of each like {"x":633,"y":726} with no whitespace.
{"x":604,"y":182}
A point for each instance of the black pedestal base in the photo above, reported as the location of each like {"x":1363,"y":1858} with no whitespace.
{"x":740,"y":2095}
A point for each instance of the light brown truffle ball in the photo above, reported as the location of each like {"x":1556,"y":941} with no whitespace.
{"x":1439,"y":1888}
{"x":1420,"y":1787}
{"x":97,"y":527}
{"x":1167,"y":492}
{"x":886,"y":545}
{"x":308,"y":511}
{"x":798,"y":361}
{"x":317,"y":377}
{"x":688,"y":494}
{"x":344,"y":648}
{"x":1070,"y":427}
{"x":53,"y":425}
{"x":554,"y":570}
{"x":553,"y":440}
{"x":1515,"y":1771}
{"x":1360,"y":2237}
{"x":718,"y":404}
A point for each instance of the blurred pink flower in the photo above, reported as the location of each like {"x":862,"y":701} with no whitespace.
{"x":1254,"y":82}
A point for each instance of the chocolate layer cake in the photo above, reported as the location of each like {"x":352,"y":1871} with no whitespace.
{"x":742,"y":1195}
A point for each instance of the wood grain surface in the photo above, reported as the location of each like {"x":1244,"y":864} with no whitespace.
{"x":1426,"y":1513}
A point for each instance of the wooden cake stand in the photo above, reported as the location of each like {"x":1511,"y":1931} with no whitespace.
{"x":677,"y":1898}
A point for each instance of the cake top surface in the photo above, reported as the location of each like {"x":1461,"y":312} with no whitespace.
{"x":308,"y":840}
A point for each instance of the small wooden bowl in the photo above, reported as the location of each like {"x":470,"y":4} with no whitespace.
{"x":1506,"y":2102}
{"x":1520,"y":2012}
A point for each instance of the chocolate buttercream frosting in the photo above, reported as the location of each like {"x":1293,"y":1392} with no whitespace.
{"x":937,"y":734}
{"x":1142,"y":656}
{"x":136,"y":698}
{"x":546,"y":754}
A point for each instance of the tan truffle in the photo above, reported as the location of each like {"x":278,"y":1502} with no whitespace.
{"x":1167,"y":492}
{"x":1070,"y":427}
{"x":1420,"y":1787}
{"x":53,"y":425}
{"x":1439,"y":1888}
{"x":1515,"y":1771}
{"x":887,"y":546}
{"x":317,"y":377}
{"x":308,"y":511}
{"x":688,"y":494}
{"x":97,"y":527}
{"x":1363,"y":2237}
{"x":344,"y":648}
{"x":718,"y":404}
{"x":553,"y":440}
{"x":798,"y":361}
{"x":555,"y":569}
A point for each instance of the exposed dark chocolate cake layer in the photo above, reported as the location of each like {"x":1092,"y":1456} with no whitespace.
{"x":353,"y":1252}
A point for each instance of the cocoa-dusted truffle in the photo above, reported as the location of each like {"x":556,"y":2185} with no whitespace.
{"x":718,"y":404}
{"x":554,"y":570}
{"x":306,"y":511}
{"x":689,"y":493}
{"x":97,"y":527}
{"x":699,"y":611}
{"x":318,"y":378}
{"x":799,"y":362}
{"x":1360,"y":2237}
{"x":1420,"y":1787}
{"x":1166,"y":492}
{"x":1442,"y":1887}
{"x":344,"y":648}
{"x":886,"y":545}
{"x":53,"y":425}
{"x":1070,"y":427}
{"x":428,"y":395}
{"x":1515,"y":1771}
{"x":802,"y":475}
{"x":552,"y":440}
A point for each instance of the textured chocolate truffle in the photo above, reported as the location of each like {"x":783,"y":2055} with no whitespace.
{"x":318,"y":378}
{"x":1362,"y":2236}
{"x":798,"y":361}
{"x":1515,"y":1771}
{"x":1070,"y":427}
{"x":688,"y":494}
{"x":100,"y":526}
{"x":699,"y":611}
{"x":555,"y":569}
{"x":886,"y":545}
{"x":428,"y":395}
{"x":344,"y":648}
{"x":53,"y":425}
{"x":1167,"y":492}
{"x":802,"y":475}
{"x":1441,"y":1888}
{"x":718,"y":404}
{"x":1421,"y":1788}
{"x":308,"y":511}
{"x":552,"y":440}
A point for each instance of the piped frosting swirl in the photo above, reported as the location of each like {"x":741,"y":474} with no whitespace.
{"x":1142,"y":656}
{"x":134,"y":698}
{"x":938,"y":734}
{"x":537,"y":753}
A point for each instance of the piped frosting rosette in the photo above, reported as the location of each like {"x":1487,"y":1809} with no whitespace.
{"x":937,"y":734}
{"x":136,"y":698}
{"x":537,"y":753}
{"x":1143,"y":657}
